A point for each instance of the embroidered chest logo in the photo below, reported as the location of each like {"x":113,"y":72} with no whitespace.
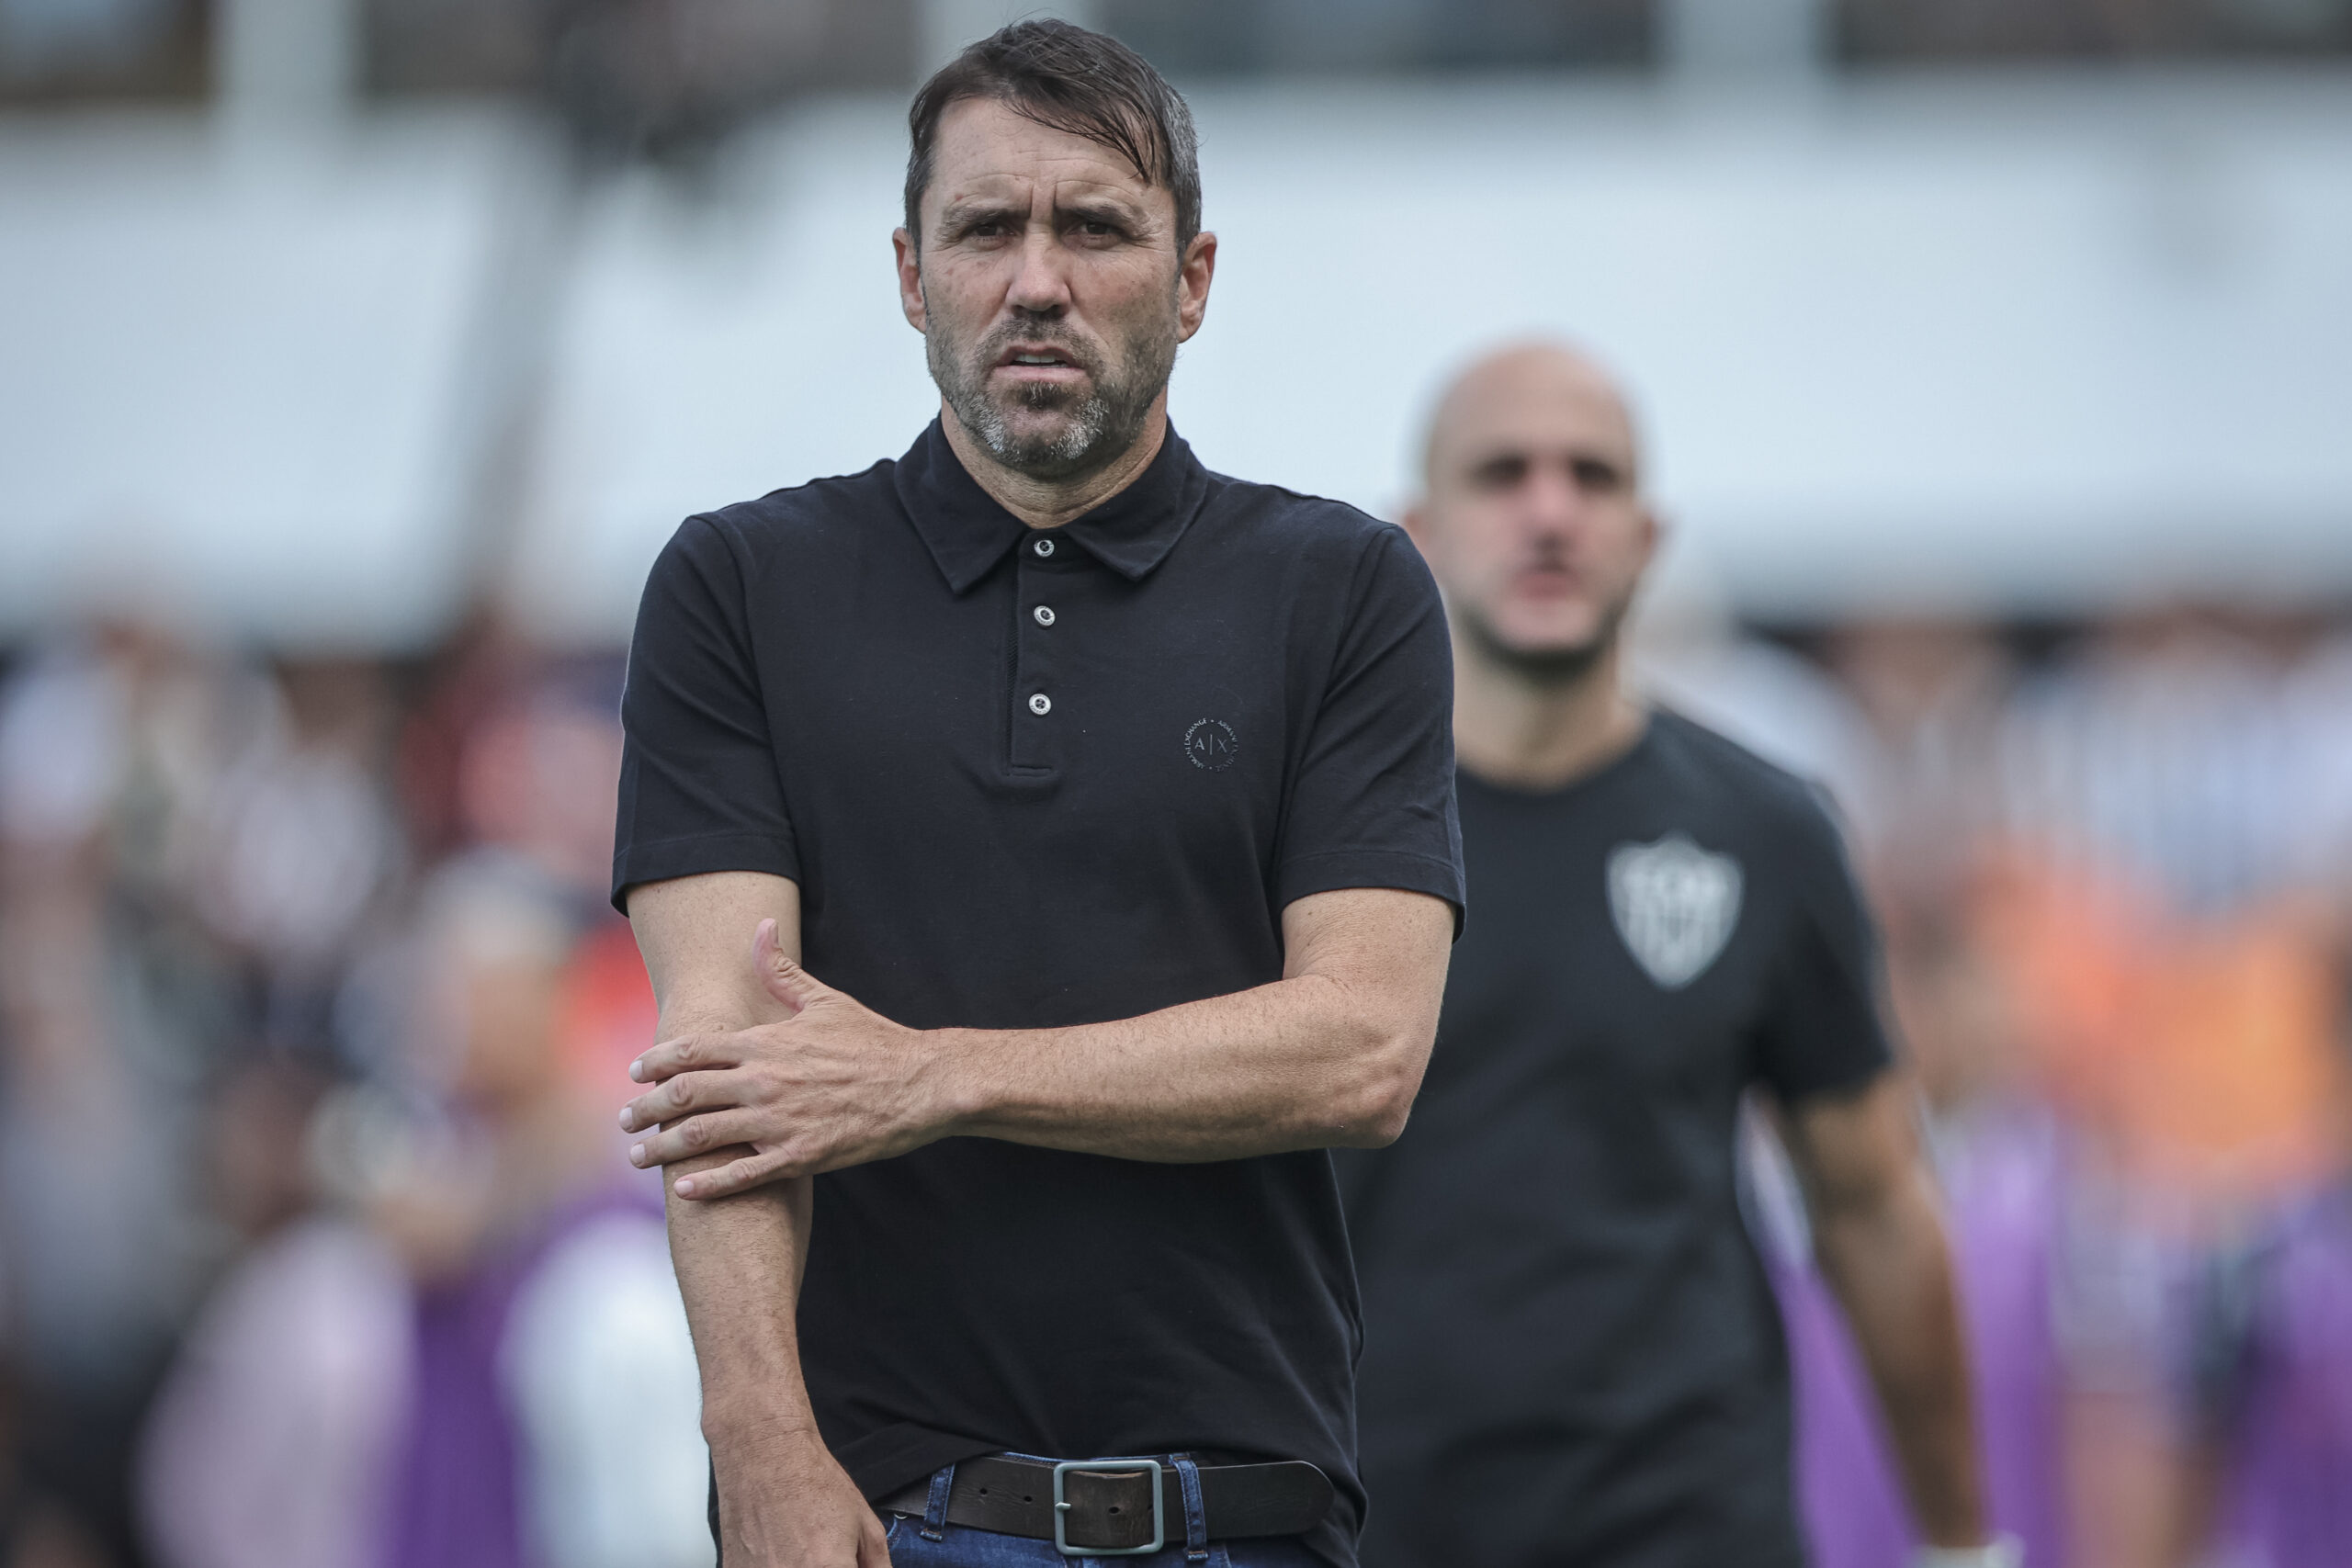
{"x":1675,"y":904}
{"x":1212,"y":744}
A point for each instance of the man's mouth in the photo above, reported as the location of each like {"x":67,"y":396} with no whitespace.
{"x":1033,"y":357}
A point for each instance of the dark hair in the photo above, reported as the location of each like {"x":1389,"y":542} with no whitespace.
{"x":1065,"y":77}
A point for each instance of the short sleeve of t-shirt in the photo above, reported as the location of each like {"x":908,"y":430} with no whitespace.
{"x":1371,"y":805}
{"x":1826,"y":1029}
{"x":699,"y":791}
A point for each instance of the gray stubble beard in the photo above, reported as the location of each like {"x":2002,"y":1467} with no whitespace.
{"x":1106,"y":421}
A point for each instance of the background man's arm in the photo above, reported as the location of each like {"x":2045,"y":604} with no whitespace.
{"x":1879,"y":1237}
{"x":783,"y":1499}
{"x":1331,"y":1054}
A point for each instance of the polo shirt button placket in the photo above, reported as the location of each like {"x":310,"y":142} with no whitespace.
{"x":1035,"y":744}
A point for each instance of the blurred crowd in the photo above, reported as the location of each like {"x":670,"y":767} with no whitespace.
{"x":2114,"y":865}
{"x":320,"y":1248}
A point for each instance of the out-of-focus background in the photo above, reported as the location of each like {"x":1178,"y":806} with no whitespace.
{"x":357,"y":356}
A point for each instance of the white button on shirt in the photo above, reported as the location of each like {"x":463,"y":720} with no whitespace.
{"x":1045,"y":614}
{"x":1041,"y":705}
{"x":1045,"y":547}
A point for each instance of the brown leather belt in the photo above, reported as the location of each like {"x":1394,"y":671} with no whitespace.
{"x":1106,"y":1507}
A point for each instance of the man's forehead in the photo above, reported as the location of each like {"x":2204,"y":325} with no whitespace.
{"x":1490,"y":416}
{"x":1021,"y":188}
{"x":989,"y":149}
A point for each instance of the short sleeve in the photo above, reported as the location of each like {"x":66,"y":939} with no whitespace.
{"x":1826,"y":1029}
{"x":1372,"y":804}
{"x":700,"y":790}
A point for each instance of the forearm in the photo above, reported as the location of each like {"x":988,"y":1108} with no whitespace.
{"x":738,"y":1261}
{"x":1302,"y":1063}
{"x":1887,"y":1261}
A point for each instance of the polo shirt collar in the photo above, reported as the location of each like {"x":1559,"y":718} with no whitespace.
{"x":967,"y":531}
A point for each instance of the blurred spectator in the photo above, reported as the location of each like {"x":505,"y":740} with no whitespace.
{"x":110,"y":747}
{"x":303,"y":847}
{"x":2268,"y":1481}
{"x":1930,"y":696}
{"x":267,"y":1444}
{"x":553,"y":1411}
{"x":1998,"y":1155}
{"x":2165,"y":750}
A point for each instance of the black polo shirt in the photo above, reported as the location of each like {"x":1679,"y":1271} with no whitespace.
{"x":1028,"y":779}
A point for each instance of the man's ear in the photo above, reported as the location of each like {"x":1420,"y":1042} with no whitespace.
{"x":1655,"y":532}
{"x":907,"y":251}
{"x":1194,"y":276}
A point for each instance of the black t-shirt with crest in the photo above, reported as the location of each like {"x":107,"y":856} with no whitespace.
{"x":1572,"y":1353}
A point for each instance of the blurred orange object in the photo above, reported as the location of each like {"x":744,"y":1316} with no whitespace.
{"x":608,"y":1012}
{"x":2200,"y":1051}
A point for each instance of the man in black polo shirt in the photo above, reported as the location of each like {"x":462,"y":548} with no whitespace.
{"x":1571,"y":1351}
{"x":1112,"y":801}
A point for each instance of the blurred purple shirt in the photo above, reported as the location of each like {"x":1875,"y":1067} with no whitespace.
{"x":2001,"y":1178}
{"x":2287,"y":1500}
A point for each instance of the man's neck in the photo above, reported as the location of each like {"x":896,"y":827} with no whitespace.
{"x":1531,"y":735}
{"x":1050,"y":503}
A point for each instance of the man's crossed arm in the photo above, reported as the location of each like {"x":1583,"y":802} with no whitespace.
{"x":811,"y":1081}
{"x":767,"y":1075}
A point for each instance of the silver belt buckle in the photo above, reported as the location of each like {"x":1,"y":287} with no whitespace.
{"x":1106,"y":1466}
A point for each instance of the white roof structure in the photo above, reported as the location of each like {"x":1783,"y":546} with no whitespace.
{"x":241,"y":373}
{"x":1978,"y":341}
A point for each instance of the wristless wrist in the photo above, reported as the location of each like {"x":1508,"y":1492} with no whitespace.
{"x":2001,"y":1551}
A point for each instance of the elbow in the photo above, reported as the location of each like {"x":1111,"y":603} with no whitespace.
{"x":1378,"y":1098}
{"x":1384,"y":1124}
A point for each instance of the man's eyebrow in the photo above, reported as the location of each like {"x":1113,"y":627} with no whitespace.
{"x":1107,"y":205}
{"x":966,"y":207}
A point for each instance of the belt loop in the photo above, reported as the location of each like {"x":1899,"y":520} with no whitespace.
{"x":934,"y":1512}
{"x":1196,"y":1524}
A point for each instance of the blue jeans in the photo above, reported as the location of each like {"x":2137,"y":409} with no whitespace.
{"x":917,"y":1542}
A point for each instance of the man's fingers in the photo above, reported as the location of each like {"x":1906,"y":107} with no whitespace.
{"x":695,"y":1135}
{"x":685,"y":1053}
{"x":738,"y":1176}
{"x":785,"y":980}
{"x":685,"y":1093}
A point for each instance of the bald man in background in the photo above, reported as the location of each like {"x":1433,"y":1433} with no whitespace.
{"x":1572,"y":1354}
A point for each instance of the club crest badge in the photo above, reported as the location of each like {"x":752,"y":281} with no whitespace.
{"x":1675,"y":904}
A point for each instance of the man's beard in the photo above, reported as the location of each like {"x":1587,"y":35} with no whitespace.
{"x":1560,"y":665}
{"x":1103,"y":420}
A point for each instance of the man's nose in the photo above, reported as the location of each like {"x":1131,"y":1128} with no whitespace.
{"x":1040,"y":284}
{"x":1551,"y":501}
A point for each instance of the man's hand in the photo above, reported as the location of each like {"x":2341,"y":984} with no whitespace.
{"x":783,"y":1502}
{"x":834,"y":1084}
